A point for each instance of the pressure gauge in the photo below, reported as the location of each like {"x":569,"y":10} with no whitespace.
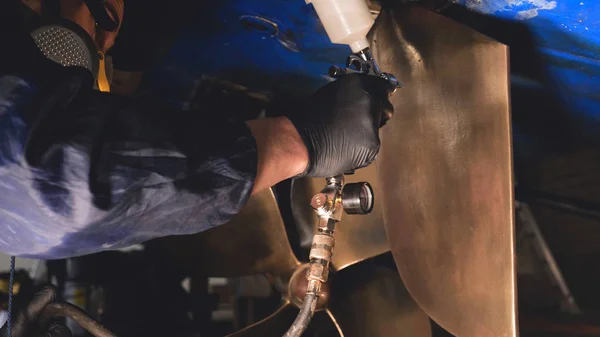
{"x":357,"y":198}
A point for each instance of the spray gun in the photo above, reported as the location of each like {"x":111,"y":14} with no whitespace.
{"x":346,"y":22}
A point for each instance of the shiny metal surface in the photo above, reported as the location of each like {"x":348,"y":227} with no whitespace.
{"x":63,"y":310}
{"x":297,"y":288}
{"x":358,"y":237}
{"x":273,"y":326}
{"x":372,"y":301}
{"x":357,"y":198}
{"x":366,"y":301}
{"x":252,"y":242}
{"x":445,"y":170}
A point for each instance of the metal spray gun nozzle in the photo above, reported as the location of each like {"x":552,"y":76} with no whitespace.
{"x":363,"y":62}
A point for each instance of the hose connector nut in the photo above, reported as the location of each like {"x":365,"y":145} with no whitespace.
{"x":322,"y":204}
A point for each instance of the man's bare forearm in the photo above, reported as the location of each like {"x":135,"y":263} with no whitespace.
{"x":281,"y":152}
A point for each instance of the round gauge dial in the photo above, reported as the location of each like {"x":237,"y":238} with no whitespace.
{"x":358,"y":198}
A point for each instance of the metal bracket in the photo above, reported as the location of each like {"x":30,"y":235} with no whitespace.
{"x":532,"y":230}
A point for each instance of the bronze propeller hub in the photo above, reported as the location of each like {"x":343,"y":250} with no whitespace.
{"x":297,"y":288}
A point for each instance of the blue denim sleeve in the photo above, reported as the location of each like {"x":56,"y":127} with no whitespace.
{"x":83,"y":171}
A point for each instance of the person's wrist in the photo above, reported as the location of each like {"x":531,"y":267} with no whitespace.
{"x":282,"y":153}
{"x":295,"y":147}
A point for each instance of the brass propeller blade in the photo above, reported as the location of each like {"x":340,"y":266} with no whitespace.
{"x":372,"y":301}
{"x":366,"y":301}
{"x":254,"y":241}
{"x":275,"y":325}
{"x":445,"y":170}
{"x":357,"y":237}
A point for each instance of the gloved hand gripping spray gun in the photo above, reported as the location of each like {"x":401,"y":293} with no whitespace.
{"x":346,"y":22}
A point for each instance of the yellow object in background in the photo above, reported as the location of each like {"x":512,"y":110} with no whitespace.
{"x":4,"y":287}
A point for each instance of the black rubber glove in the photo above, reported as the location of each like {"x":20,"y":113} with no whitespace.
{"x":25,"y":322}
{"x":340,"y":124}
